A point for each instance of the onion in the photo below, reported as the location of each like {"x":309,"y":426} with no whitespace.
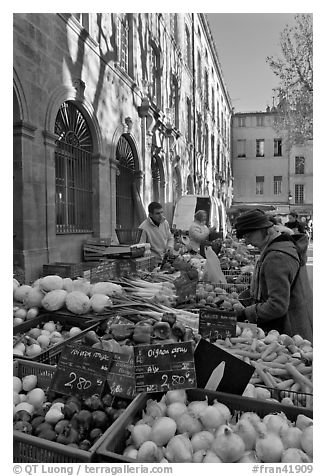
{"x":211,"y":457}
{"x":294,"y":455}
{"x":130,"y":452}
{"x":247,"y":432}
{"x":303,"y":421}
{"x":195,"y":408}
{"x":149,"y":453}
{"x":139,"y":434}
{"x":163,"y":430}
{"x":228,"y":446}
{"x":179,"y":450}
{"x":223,"y":409}
{"x":249,"y":457}
{"x":307,"y":439}
{"x":154,"y":409}
{"x":275,"y":423}
{"x":188,"y":424}
{"x":291,"y":437}
{"x":212,"y":417}
{"x":173,"y":396}
{"x":202,"y":440}
{"x":175,"y":410}
{"x":199,"y":456}
{"x":269,"y":448}
{"x":251,"y":416}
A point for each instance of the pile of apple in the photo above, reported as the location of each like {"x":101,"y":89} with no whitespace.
{"x":216,"y":297}
{"x":40,"y":338}
{"x":69,"y":420}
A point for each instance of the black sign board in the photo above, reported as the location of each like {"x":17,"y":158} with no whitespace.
{"x":216,"y":325}
{"x":121,"y":377}
{"x":81,"y":370}
{"x":208,"y":359}
{"x":162,"y":367}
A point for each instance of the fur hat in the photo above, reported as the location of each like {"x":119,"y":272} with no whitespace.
{"x":251,"y":221}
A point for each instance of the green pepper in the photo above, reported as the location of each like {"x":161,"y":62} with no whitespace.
{"x":142,"y":334}
{"x":169,"y":317}
{"x":178,"y":330}
{"x":162,"y":330}
{"x":121,"y":331}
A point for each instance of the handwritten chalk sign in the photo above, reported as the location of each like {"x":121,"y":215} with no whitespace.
{"x":216,"y":325}
{"x":163,"y":367}
{"x":81,"y":370}
{"x":121,"y":377}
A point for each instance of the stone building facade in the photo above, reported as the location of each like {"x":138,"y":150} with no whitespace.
{"x":267,"y":171}
{"x":111,"y":111}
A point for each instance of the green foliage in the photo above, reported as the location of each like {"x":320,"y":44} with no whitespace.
{"x":295,"y":72}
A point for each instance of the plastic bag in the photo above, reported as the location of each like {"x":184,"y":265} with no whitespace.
{"x":213,"y":272}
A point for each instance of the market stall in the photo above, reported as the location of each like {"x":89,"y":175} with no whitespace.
{"x":131,"y":363}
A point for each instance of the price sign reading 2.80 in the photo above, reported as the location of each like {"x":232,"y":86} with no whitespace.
{"x":80,"y":382}
{"x":162,"y":367}
{"x":81,"y":370}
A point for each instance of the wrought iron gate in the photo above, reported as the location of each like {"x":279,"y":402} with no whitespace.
{"x":73,"y":171}
{"x":124,"y":195}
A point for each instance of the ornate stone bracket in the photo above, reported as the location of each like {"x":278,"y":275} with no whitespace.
{"x":79,"y":85}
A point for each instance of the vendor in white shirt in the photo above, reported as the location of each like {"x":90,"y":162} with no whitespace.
{"x":156,"y":231}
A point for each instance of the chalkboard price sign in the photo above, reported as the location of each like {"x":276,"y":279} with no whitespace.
{"x":121,"y":378}
{"x":216,"y":325}
{"x":162,"y":367}
{"x":81,"y":370}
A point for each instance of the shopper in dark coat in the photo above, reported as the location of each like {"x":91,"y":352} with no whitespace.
{"x":293,"y":223}
{"x":280,"y":289}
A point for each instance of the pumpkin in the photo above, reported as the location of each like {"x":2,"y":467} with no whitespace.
{"x":34,"y":298}
{"x":21,"y":293}
{"x":50,"y":283}
{"x":77,"y":302}
{"x":54,"y":300}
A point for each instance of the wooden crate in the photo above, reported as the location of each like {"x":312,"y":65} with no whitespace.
{"x":65,"y":270}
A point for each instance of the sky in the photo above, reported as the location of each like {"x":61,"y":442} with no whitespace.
{"x":243,"y":41}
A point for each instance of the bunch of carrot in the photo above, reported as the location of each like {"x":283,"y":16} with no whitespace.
{"x":275,"y":365}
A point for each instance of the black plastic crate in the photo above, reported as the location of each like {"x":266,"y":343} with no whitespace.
{"x":52,"y":354}
{"x":113,"y":445}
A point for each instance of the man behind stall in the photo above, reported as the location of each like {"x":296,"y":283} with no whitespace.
{"x":156,"y":231}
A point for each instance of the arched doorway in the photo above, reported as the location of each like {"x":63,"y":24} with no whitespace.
{"x":190,"y":186}
{"x":73,"y":171}
{"x":177,"y":184}
{"x":158,"y":179}
{"x":128,"y":164}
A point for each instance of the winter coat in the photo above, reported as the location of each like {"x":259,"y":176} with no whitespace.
{"x":197,"y":234}
{"x":281,"y":289}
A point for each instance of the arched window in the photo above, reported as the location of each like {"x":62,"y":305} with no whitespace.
{"x":199,"y":72}
{"x":73,"y":171}
{"x":125,"y":203}
{"x":124,"y":42}
{"x":155,"y":76}
{"x":158,"y":179}
{"x":206,"y":90}
{"x":188,"y":47}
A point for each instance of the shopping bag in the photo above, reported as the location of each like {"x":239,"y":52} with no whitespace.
{"x":213,"y":272}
